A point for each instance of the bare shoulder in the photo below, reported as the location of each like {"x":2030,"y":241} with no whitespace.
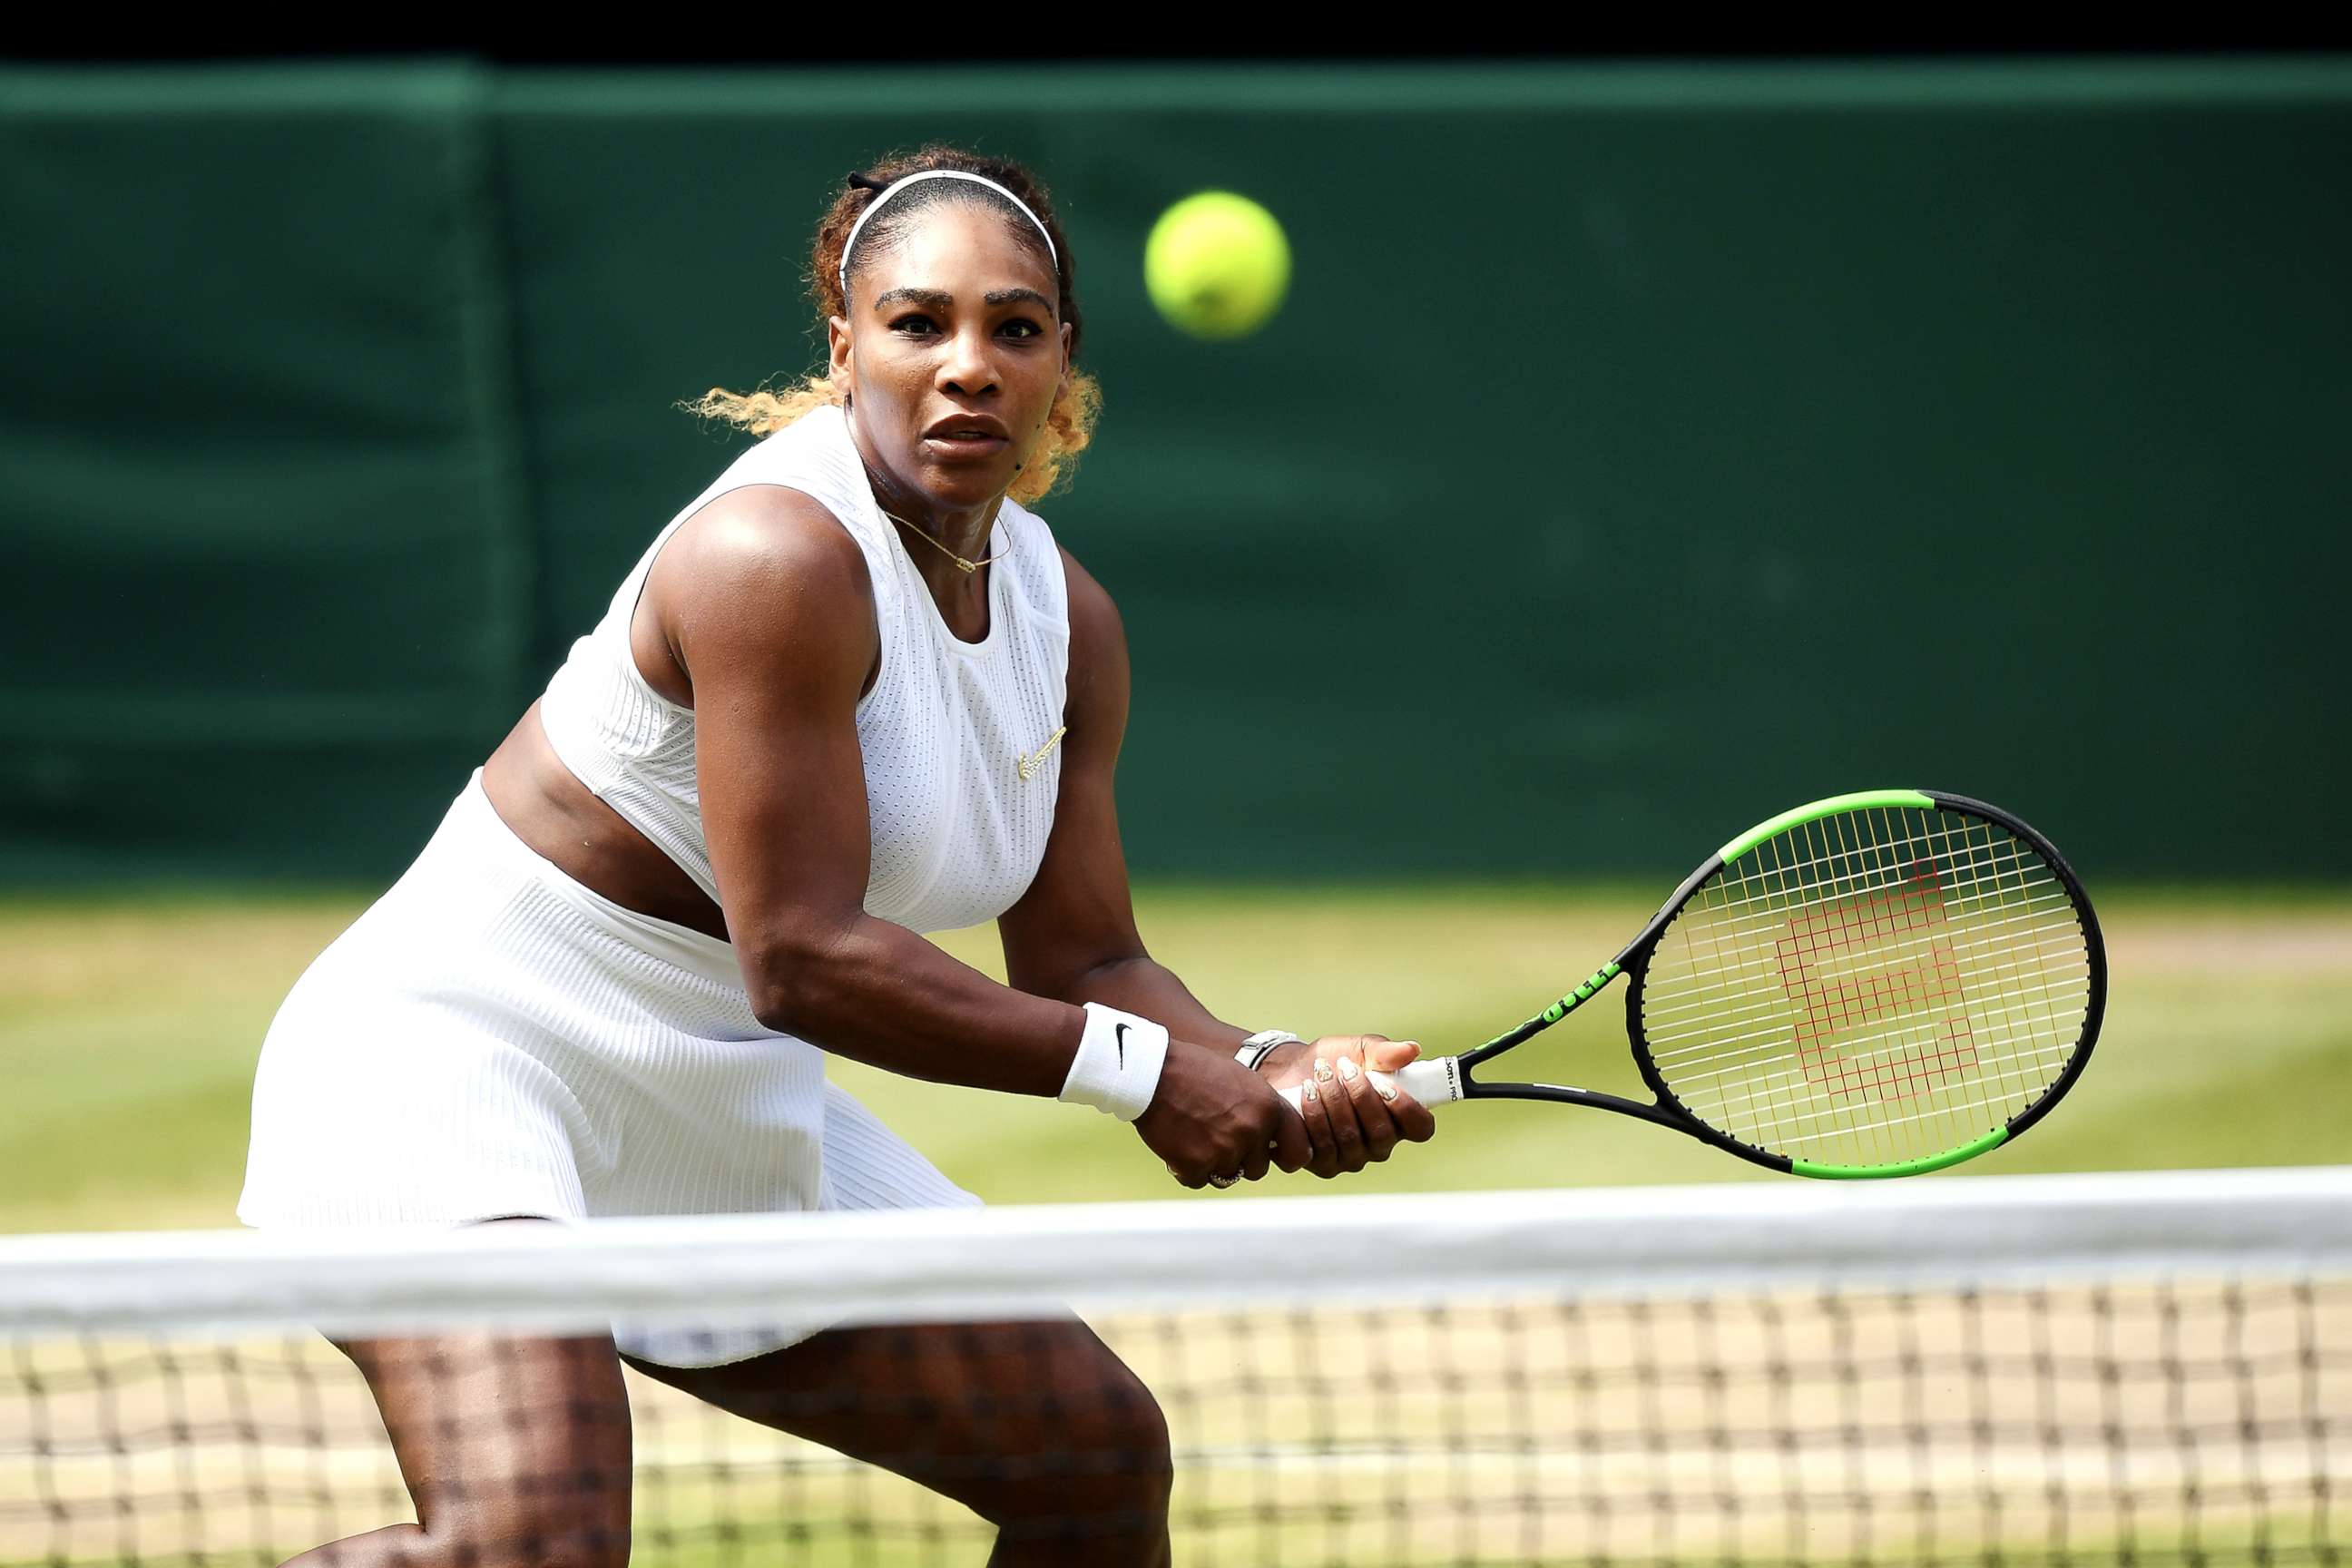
{"x":1097,"y":683}
{"x":762,"y":540}
{"x":763,"y":576}
{"x":1095,"y":623}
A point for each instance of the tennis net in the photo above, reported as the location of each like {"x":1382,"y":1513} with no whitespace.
{"x":2149,"y":1369}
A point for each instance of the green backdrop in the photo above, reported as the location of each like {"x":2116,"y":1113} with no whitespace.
{"x":1641,"y":451}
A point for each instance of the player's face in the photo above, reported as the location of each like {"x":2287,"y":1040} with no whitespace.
{"x":953,"y":355}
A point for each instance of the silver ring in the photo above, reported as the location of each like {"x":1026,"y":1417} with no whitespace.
{"x":1223,"y":1180}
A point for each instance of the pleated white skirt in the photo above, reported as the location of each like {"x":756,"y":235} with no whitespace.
{"x":493,"y":1040}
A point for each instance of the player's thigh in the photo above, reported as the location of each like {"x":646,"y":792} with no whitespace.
{"x":1015,"y":1420}
{"x":515,"y":1448}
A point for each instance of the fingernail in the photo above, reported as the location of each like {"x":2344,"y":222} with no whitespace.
{"x":1385,"y":1088}
{"x":1348,"y":1068}
{"x":1322,"y":1072}
{"x":1306,"y":1091}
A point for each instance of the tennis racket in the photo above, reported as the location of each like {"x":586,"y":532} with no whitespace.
{"x":1875,"y":985}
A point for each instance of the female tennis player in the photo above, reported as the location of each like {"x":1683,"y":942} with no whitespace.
{"x":853,"y":692}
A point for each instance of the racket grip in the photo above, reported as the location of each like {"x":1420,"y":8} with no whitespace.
{"x":1433,"y":1080}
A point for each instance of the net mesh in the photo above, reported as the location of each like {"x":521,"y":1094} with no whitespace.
{"x":1871,"y":987}
{"x":2002,"y":1371}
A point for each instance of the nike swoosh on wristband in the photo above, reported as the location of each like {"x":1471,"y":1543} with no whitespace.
{"x":1118,"y":1039}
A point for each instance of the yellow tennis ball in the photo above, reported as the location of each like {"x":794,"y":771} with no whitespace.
{"x":1217,"y":265}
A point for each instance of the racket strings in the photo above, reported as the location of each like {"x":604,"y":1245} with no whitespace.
{"x":2021,"y":1084}
{"x":1918,"y":1068}
{"x":1750,"y":1082}
{"x":1755,"y":1036}
{"x":2001,"y":936}
{"x":1870,"y":987}
{"x":1826,"y":879}
{"x":1782,"y":1101}
{"x":1743,"y":1054}
{"x":2049,"y":919}
{"x":1695,"y":1067}
{"x":2046,"y":902}
{"x":1761,"y":915}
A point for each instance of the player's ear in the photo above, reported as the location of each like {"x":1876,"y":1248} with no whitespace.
{"x":838,"y":349}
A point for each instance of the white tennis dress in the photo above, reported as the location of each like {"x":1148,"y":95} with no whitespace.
{"x":491,"y":1039}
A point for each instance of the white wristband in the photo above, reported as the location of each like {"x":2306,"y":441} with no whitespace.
{"x":1117,"y":1065}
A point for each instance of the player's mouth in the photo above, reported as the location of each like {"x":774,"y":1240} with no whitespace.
{"x":968,"y":435}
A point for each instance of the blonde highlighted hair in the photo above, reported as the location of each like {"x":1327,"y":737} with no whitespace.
{"x":1068,"y":427}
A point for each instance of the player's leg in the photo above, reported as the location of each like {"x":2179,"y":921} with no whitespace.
{"x":1035,"y":1426}
{"x":515,"y":1450}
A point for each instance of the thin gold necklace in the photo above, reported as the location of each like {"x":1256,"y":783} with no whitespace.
{"x":968,"y":567}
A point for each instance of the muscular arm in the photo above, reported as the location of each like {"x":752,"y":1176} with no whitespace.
{"x":767,"y":606}
{"x":769,"y":612}
{"x":1143,"y":984}
{"x":1072,"y":937}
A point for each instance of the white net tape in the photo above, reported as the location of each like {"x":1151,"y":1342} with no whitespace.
{"x":2156,"y":1369}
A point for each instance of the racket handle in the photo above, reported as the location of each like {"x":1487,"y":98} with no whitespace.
{"x":1433,"y":1080}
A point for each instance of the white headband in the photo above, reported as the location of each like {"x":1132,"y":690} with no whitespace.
{"x":897,"y":185}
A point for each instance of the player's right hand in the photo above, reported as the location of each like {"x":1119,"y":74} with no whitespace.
{"x":1212,"y":1118}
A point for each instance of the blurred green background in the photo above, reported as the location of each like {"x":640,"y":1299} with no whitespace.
{"x":1642,"y":450}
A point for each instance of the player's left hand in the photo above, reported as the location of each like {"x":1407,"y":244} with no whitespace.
{"x":1349,"y":1123}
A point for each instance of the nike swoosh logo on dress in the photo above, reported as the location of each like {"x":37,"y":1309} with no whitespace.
{"x":1030,"y":764}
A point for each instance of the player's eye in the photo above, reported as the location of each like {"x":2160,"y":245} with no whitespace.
{"x":919,"y":325}
{"x":1023,"y":327}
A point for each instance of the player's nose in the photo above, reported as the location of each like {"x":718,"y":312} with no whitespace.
{"x":968,"y":366}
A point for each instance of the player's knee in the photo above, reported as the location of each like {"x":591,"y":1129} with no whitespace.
{"x":1139,"y":1465}
{"x":1107,"y":1468}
